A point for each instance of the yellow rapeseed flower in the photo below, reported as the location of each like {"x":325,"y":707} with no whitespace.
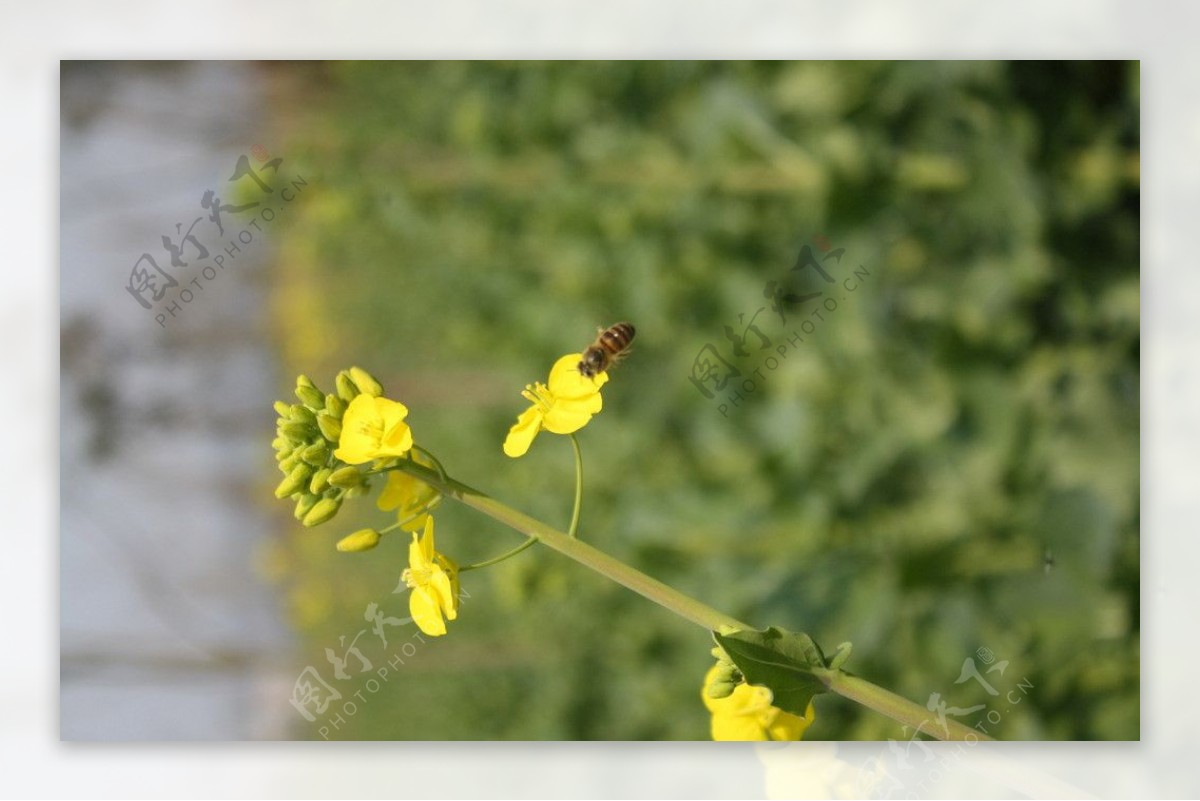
{"x":562,"y":406}
{"x":747,"y":714}
{"x":409,"y":496}
{"x":373,"y":428}
{"x":433,"y":581}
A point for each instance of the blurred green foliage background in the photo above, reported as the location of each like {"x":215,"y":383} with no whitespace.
{"x":949,"y":462}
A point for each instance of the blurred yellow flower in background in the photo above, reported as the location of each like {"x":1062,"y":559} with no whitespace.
{"x":563,"y":406}
{"x":409,"y":496}
{"x":747,"y":714}
{"x":373,"y":428}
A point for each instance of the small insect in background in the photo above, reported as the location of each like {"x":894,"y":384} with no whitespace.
{"x":609,"y":348}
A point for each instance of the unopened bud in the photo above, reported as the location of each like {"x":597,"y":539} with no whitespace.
{"x":346,"y":477}
{"x":310,"y":397}
{"x":361,"y":540}
{"x":346,"y":389}
{"x":301,"y":414}
{"x":297,"y":432}
{"x":320,"y":480}
{"x":727,"y":672}
{"x":720,"y":689}
{"x":294,"y":481}
{"x":331,"y":428}
{"x":324,"y":509}
{"x":307,"y":502}
{"x":281,"y":408}
{"x":366,"y":382}
{"x":335,"y":406}
{"x":315,"y":454}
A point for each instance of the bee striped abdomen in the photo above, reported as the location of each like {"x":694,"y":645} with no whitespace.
{"x":617,"y":338}
{"x":609,"y":346}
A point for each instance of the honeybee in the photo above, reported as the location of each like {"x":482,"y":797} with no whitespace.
{"x":610,"y":347}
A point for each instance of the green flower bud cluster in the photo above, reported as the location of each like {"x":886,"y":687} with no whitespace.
{"x":306,"y":436}
{"x":726,"y":678}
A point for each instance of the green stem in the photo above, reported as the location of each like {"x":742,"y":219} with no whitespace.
{"x":836,"y":681}
{"x":500,"y":558}
{"x":436,"y":462}
{"x":581,"y":552}
{"x":896,"y":707}
{"x":574,"y":529}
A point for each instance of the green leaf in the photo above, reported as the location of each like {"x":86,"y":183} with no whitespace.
{"x":782,"y":661}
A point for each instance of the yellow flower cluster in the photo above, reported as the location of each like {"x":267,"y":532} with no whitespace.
{"x":317,"y":476}
{"x":320,"y":444}
{"x":323,"y":442}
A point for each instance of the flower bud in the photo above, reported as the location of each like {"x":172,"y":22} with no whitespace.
{"x":294,"y":481}
{"x":727,"y":672}
{"x":311,"y":398}
{"x":307,"y":502}
{"x":304,"y":381}
{"x":366,"y":382}
{"x":346,"y":477}
{"x":362,"y":540}
{"x":281,"y":408}
{"x":316,"y":453}
{"x":346,"y":388}
{"x":288,"y":463}
{"x":281,"y":444}
{"x":331,"y":429}
{"x":324,"y":510}
{"x":297,"y":432}
{"x":301,"y":414}
{"x":320,"y":480}
{"x":335,"y":406}
{"x":720,"y":689}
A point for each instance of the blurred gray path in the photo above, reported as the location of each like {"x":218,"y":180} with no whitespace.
{"x":166,"y":631}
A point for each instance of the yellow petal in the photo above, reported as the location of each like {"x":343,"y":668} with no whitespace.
{"x":736,"y":727}
{"x":413,"y":524}
{"x":787,"y":726}
{"x":567,"y":382}
{"x":396,"y":441}
{"x":390,"y":411}
{"x":569,"y":415}
{"x":409,"y":495}
{"x":427,"y":549}
{"x":521,"y":435}
{"x":442,"y":588}
{"x":360,"y":424}
{"x":416,"y":554}
{"x":426,"y":612}
{"x":394,"y":491}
